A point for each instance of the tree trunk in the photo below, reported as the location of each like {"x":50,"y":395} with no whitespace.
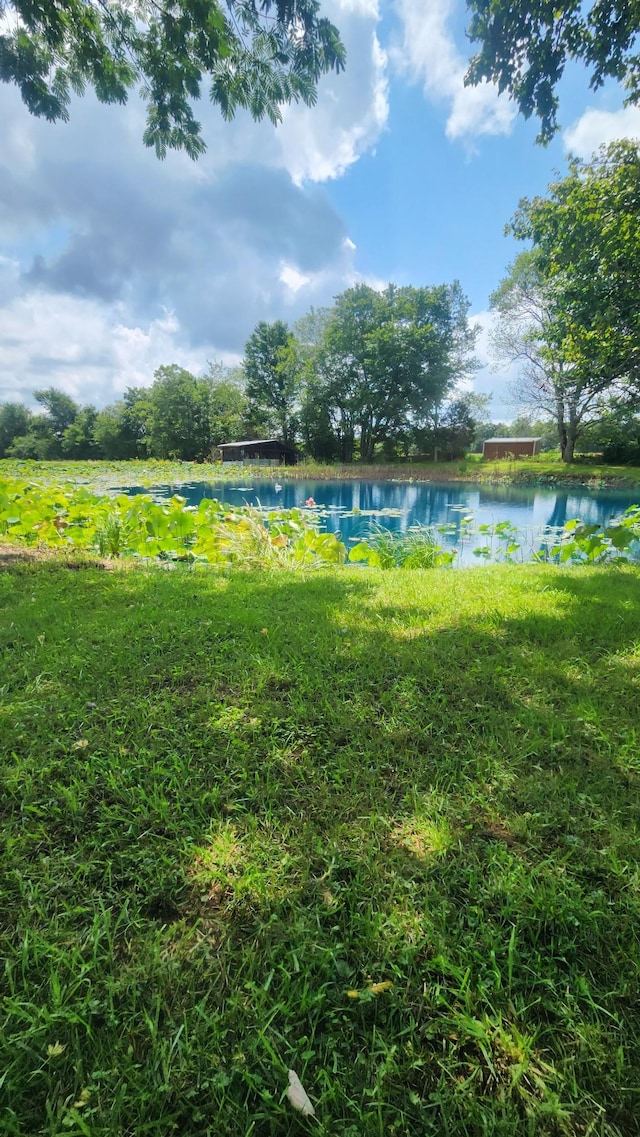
{"x":367,"y":444}
{"x":567,"y":433}
{"x":346,"y":444}
{"x":568,"y":448}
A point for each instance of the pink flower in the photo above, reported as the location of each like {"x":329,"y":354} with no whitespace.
{"x":309,"y":501}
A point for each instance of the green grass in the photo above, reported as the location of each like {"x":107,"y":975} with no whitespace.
{"x":230,"y":803}
{"x":111,"y":475}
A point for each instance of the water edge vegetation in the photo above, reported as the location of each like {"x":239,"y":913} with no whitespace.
{"x":215,"y":533}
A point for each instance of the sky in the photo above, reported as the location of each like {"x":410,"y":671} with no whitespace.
{"x":113,"y":263}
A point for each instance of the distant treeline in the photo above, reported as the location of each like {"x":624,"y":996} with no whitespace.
{"x":377,"y":374}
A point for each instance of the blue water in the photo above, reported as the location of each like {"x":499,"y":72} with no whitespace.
{"x":349,"y":507}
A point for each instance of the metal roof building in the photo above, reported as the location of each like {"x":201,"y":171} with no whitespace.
{"x":259,"y":451}
{"x":510,"y":447}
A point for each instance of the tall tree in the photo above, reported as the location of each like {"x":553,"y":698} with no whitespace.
{"x":43,"y":438}
{"x":526,"y":44}
{"x":256,"y":54}
{"x":227,"y":403}
{"x":120,"y":430}
{"x":273,"y":371}
{"x":523,"y":335}
{"x":316,"y":423}
{"x":580,"y":290}
{"x":388,"y":359}
{"x":14,"y":422}
{"x":60,"y":408}
{"x":457,"y":428}
{"x":78,"y":440}
{"x":179,"y":415}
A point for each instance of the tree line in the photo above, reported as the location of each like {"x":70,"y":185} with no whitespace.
{"x":375,"y":374}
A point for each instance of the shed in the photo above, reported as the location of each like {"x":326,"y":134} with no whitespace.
{"x":510,"y":447}
{"x":259,"y":452}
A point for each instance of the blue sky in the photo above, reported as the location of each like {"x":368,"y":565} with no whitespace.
{"x":112,"y":263}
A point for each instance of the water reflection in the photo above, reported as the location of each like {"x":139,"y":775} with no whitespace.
{"x":529,"y":508}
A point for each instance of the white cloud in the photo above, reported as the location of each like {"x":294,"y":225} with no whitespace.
{"x":292,"y":278}
{"x":319,"y":143}
{"x":595,"y":127}
{"x":429,"y":54}
{"x":84,"y":347}
{"x":356,"y":7}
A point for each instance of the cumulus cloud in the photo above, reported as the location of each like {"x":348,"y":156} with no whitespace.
{"x":429,"y":54}
{"x":112,"y":263}
{"x":83,"y":346}
{"x":315,"y":144}
{"x":595,"y":127}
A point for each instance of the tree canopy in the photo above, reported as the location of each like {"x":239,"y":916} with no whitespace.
{"x":524,"y":335}
{"x":256,"y":54}
{"x":586,"y":233}
{"x":273,"y":376}
{"x":526,"y":44}
{"x":384,"y":361}
{"x":573,"y":304}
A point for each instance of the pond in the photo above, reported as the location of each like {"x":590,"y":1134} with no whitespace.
{"x":350,"y":507}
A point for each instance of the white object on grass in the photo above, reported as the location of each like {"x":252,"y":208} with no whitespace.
{"x":298,"y":1096}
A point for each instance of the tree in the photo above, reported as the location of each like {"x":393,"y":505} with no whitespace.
{"x":256,"y":54}
{"x":523,"y":335}
{"x":120,"y":430}
{"x":273,"y":371}
{"x":44,"y":433}
{"x":387,"y":360}
{"x":573,"y":305}
{"x":616,"y":433}
{"x":39,"y":443}
{"x":316,"y":425}
{"x":316,"y":422}
{"x":78,"y":440}
{"x":14,"y":422}
{"x":178,"y":415}
{"x":227,"y":404}
{"x":457,"y":429}
{"x":526,"y":44}
{"x":61,"y":409}
{"x":454,"y":429}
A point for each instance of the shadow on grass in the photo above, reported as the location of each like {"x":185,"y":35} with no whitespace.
{"x":234,"y":805}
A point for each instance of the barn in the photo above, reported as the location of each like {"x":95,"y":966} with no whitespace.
{"x":510,"y":447}
{"x":259,"y":452}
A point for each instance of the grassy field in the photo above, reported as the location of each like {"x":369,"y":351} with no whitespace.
{"x":381,"y":829}
{"x":111,"y":475}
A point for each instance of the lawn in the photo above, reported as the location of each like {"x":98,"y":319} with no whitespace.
{"x":380,"y":829}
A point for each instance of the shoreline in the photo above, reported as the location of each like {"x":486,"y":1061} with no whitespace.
{"x":108,"y":476}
